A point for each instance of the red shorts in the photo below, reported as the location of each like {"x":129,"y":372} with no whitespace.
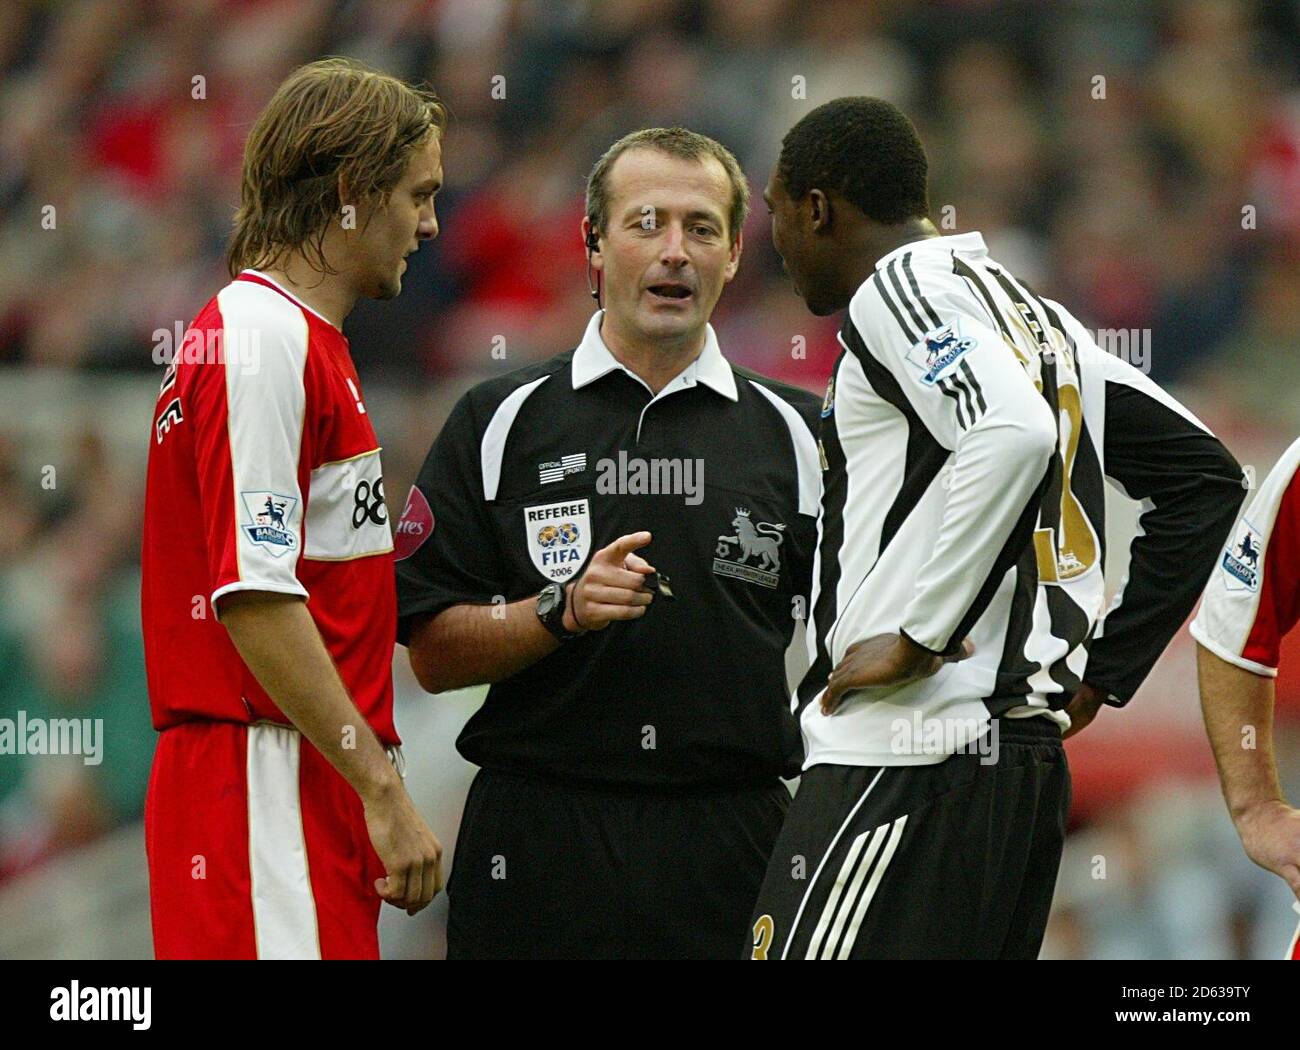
{"x":257,"y":849}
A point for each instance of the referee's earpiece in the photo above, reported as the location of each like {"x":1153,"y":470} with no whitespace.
{"x":593,"y":245}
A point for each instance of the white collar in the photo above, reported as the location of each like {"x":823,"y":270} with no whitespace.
{"x":287,"y":294}
{"x":967,"y":243}
{"x":592,"y":359}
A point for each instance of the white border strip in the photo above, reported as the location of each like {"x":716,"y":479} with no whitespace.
{"x":822,"y":863}
{"x":284,"y":908}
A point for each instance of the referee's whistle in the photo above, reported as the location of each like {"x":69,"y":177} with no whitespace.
{"x":659,"y":583}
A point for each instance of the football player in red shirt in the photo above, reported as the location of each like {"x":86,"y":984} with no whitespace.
{"x":276,"y":819}
{"x":1250,"y":602}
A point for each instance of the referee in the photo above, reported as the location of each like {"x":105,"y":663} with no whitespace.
{"x":620,"y":540}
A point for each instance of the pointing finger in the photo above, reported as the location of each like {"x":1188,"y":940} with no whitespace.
{"x":625,"y":545}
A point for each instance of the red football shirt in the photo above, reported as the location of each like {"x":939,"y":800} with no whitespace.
{"x":264,"y":475}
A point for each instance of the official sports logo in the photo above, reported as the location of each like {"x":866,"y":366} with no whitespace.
{"x":415,"y":527}
{"x":938,"y":353}
{"x":559,"y":469}
{"x":1240,"y":563}
{"x":559,"y":537}
{"x":272,"y":521}
{"x":761,"y":541}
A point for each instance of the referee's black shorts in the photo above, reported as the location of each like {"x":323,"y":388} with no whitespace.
{"x":545,"y":870}
{"x":950,"y":861}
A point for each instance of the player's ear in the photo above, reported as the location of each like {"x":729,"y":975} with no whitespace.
{"x":820,"y":211}
{"x":733,"y":264}
{"x":591,"y":243}
{"x":349,"y":203}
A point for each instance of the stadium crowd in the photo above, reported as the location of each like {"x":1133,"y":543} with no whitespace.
{"x":1139,"y":162}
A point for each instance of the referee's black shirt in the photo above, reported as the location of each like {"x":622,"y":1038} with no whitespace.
{"x":692,"y":694}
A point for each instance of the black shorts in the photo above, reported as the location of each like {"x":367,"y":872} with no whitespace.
{"x":950,"y":861}
{"x":553,"y":871}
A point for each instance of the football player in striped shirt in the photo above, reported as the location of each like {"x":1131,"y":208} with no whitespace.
{"x":958,"y":627}
{"x":1251,"y":601}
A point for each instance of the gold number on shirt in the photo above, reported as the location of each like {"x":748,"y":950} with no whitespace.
{"x":763,"y":931}
{"x":1073,"y":550}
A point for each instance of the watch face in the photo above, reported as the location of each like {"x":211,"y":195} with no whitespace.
{"x":548,"y":599}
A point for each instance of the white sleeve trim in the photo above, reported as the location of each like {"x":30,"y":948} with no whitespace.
{"x":256,"y":585}
{"x":1202,"y":638}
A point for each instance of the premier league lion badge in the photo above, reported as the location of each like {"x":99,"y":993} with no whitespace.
{"x":271,"y":521}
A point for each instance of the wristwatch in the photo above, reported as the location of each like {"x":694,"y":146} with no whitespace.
{"x":550,"y":610}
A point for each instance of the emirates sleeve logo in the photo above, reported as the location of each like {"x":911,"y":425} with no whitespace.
{"x":415,"y":527}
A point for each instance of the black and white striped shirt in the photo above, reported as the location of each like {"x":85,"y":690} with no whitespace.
{"x":966,"y":432}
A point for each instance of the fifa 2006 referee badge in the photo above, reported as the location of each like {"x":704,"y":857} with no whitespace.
{"x":559,"y":537}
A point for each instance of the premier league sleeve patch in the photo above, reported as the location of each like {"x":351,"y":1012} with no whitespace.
{"x":271,"y":521}
{"x":1240,"y":561}
{"x":938,"y":352}
{"x":559,"y":537}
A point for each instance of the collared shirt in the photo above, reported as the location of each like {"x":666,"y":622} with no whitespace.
{"x":592,"y":359}
{"x":538,"y":469}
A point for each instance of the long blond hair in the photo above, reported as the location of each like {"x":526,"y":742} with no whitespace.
{"x":331,"y":119}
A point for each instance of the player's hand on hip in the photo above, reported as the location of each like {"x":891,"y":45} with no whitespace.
{"x":612,"y":587}
{"x":411,"y":854}
{"x":1270,"y":831}
{"x":1083,"y":708}
{"x":884,"y":660}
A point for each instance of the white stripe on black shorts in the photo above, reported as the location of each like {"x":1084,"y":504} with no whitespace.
{"x":953,"y":860}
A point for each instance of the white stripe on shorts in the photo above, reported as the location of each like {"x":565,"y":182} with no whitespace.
{"x":854,"y":869}
{"x":284,"y":908}
{"x":821,"y":863}
{"x":870,"y":891}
